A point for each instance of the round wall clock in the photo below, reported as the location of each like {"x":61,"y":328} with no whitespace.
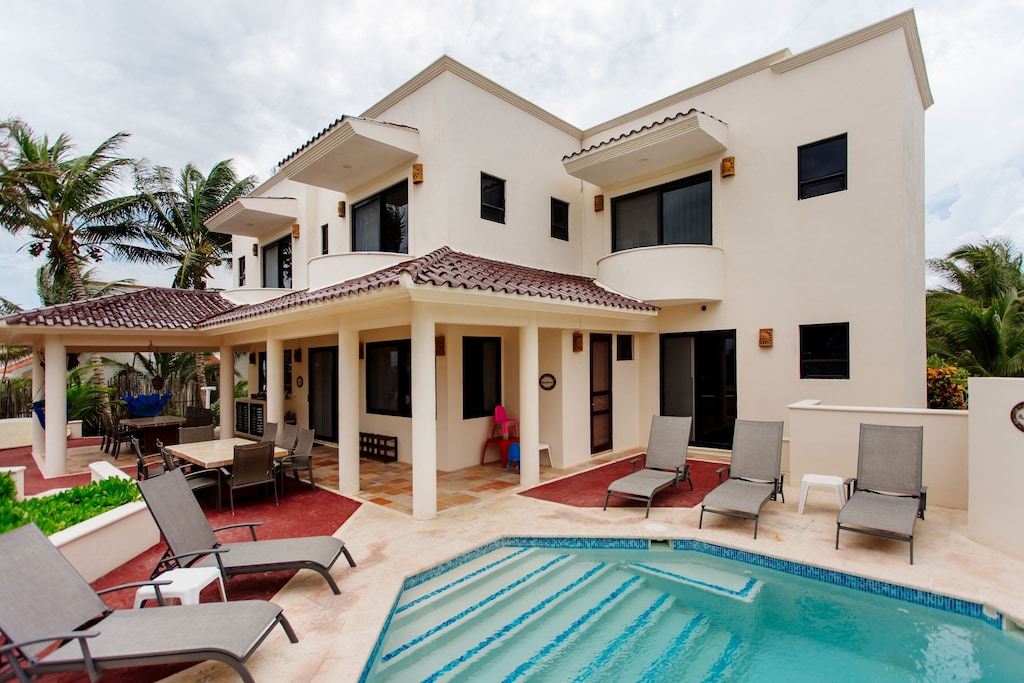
{"x":547,"y":381}
{"x":1017,"y":416}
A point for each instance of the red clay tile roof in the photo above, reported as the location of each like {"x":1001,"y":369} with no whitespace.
{"x":636,"y":131}
{"x":447,"y":268}
{"x":151,"y":308}
{"x":326,"y":130}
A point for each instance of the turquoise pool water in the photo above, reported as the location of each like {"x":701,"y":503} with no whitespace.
{"x":616,"y":610}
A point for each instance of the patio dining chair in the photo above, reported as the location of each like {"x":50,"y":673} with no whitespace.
{"x":269,"y":431}
{"x":886,"y":500}
{"x":253,"y":465}
{"x":146,"y":466}
{"x":195,"y":434}
{"x":53,"y":621}
{"x":755,"y":473}
{"x":664,"y":464}
{"x":191,"y":542}
{"x":301,"y":459}
{"x":286,"y":437}
{"x":199,"y":479}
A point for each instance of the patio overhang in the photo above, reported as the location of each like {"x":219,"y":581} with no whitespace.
{"x":254,"y":216}
{"x":676,"y":140}
{"x":351,"y":153}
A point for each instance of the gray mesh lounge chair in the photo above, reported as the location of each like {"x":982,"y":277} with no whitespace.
{"x":54,"y":621}
{"x":192,"y":542}
{"x":755,"y":473}
{"x":886,"y":493}
{"x":664,"y":464}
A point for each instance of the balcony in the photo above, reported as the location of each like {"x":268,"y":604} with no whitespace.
{"x":331,"y":269}
{"x":673,"y":141}
{"x":254,"y":216}
{"x":666,"y":274}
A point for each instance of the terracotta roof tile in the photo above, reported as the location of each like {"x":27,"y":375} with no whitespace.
{"x":637,"y":131}
{"x":447,"y":268}
{"x":151,"y":308}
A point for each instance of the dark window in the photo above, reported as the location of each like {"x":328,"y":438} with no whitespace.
{"x":277,"y":264}
{"x":676,"y":213}
{"x":261,"y":379}
{"x":389,"y":378}
{"x":825,"y":351}
{"x":624,"y":347}
{"x":381,"y":222}
{"x":241,"y":271}
{"x":821,"y":167}
{"x":492,"y":198}
{"x":323,"y":238}
{"x":481,"y":376}
{"x":559,"y":219}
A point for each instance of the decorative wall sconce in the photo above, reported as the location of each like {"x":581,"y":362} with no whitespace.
{"x":417,"y":173}
{"x":598,"y":202}
{"x":297,"y":356}
{"x":438,"y":346}
{"x":252,"y":358}
{"x":728,"y":166}
{"x":295,"y":230}
{"x":577,"y":342}
{"x":255,"y":250}
{"x":766,"y":338}
{"x":341,"y":209}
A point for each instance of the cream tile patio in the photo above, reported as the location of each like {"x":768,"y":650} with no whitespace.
{"x":337,"y":633}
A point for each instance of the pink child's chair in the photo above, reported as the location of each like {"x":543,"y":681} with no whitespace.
{"x":508,"y":428}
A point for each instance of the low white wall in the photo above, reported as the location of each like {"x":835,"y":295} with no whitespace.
{"x":16,"y":431}
{"x":18,"y":475}
{"x":997,"y":464}
{"x":823,"y":440}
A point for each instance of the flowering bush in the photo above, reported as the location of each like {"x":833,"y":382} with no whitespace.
{"x":947,"y":388}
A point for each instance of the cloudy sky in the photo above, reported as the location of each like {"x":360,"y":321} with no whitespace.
{"x":206,"y":80}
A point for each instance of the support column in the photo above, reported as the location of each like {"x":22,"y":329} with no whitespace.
{"x":56,"y":407}
{"x":424,"y":415}
{"x":38,"y":435}
{"x":348,"y":410}
{"x":529,"y":404}
{"x":275,"y":381}
{"x":227,"y":392}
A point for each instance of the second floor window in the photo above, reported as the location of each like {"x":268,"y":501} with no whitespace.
{"x":381,"y":222}
{"x":559,"y":219}
{"x":241,"y":271}
{"x":323,"y":239}
{"x":277,"y":264}
{"x":675,"y":213}
{"x":825,"y":351}
{"x":821,"y":167}
{"x":492,"y":198}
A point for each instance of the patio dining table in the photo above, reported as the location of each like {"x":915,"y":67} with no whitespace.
{"x":163,"y":428}
{"x":216,"y":453}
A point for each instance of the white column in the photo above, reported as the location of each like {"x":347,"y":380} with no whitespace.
{"x":424,"y":416}
{"x":227,"y":392}
{"x":348,"y":410}
{"x":529,"y":404}
{"x":275,"y":381}
{"x":56,"y":394}
{"x":38,"y":435}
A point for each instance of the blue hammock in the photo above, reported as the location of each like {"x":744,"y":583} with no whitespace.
{"x":146,"y":405}
{"x":39,"y":408}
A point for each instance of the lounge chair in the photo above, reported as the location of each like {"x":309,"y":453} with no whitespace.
{"x":53,"y":621}
{"x":192,"y":542}
{"x":755,"y":473}
{"x":886,"y":498}
{"x":664,"y":463}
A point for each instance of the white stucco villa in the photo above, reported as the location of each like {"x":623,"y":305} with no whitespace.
{"x":729,"y":250}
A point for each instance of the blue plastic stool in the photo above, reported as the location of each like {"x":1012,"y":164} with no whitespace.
{"x":513,"y":455}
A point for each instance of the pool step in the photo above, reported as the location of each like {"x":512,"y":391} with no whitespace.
{"x":726,"y":584}
{"x":464,"y":576}
{"x":502,"y":612}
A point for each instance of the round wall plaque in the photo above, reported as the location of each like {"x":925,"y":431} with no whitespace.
{"x":1017,"y":416}
{"x":298,"y":381}
{"x":547,"y":381}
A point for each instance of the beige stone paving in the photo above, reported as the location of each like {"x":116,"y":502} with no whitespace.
{"x":337,"y":633}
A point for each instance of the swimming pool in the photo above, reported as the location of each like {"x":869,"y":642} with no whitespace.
{"x":572,"y":609}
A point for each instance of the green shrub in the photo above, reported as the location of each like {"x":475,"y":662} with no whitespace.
{"x":67,"y":508}
{"x":8,"y":489}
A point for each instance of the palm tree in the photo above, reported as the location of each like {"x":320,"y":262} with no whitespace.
{"x":174,"y":211}
{"x":982,"y":272}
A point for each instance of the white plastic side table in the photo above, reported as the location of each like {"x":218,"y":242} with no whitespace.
{"x":186,"y":584}
{"x":825,"y":480}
